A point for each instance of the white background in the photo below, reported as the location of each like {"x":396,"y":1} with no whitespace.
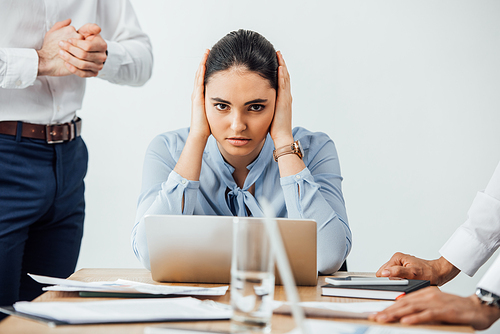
{"x":408,"y":90}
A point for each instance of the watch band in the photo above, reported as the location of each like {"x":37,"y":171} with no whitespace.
{"x":293,"y":148}
{"x":488,"y":298}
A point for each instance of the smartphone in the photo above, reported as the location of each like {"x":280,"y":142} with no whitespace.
{"x":349,"y":280}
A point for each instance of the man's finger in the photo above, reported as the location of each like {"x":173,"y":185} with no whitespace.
{"x":425,"y":316}
{"x":96,"y":57}
{"x":399,"y":310}
{"x":381,"y":269}
{"x":79,"y":63}
{"x":80,"y":73}
{"x":395,"y":260}
{"x":94,"y":45}
{"x":402,"y":272}
{"x":89,"y":29}
{"x":60,"y":24}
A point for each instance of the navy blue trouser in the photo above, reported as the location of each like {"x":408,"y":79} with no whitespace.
{"x":42,"y":210}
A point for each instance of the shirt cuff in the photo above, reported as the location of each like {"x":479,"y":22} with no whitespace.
{"x":475,"y":241}
{"x":180,"y":181}
{"x":117,"y":56}
{"x":20,"y":68}
{"x":490,"y":281}
{"x":464,"y":251}
{"x":296,"y":178}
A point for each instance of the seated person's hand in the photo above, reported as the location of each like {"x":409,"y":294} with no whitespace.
{"x":199,"y":122}
{"x":430,"y":305}
{"x":407,"y":266}
{"x":281,"y":127}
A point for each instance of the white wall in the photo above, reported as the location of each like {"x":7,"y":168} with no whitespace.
{"x":408,"y":90}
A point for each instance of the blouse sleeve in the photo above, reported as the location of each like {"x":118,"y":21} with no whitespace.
{"x":316,"y":193}
{"x":163,"y":190}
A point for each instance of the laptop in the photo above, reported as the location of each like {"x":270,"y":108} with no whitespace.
{"x":197,"y":249}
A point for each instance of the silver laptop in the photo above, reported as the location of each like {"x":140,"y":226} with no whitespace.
{"x":197,"y":249}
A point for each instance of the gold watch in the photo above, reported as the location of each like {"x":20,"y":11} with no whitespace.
{"x":293,"y":148}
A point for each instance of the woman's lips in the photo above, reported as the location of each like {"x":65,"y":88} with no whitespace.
{"x":238,"y":141}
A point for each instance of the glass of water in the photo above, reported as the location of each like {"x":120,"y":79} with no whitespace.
{"x":252,"y":276}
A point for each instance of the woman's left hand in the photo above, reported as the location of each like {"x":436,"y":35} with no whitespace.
{"x":281,"y":126}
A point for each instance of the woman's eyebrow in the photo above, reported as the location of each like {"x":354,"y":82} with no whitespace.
{"x":218,"y":99}
{"x":256,"y":101}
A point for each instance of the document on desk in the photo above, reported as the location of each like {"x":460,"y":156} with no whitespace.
{"x":359,"y":310}
{"x":333,"y":327}
{"x":124,"y":286}
{"x":127,"y":310}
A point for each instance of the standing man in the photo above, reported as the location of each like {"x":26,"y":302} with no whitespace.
{"x":47,"y":49}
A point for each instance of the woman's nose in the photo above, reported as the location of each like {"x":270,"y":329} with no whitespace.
{"x":238,"y":123}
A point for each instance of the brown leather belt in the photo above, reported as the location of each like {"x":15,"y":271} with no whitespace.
{"x":51,"y":133}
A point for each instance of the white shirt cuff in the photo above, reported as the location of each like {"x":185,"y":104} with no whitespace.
{"x":19,"y":68}
{"x":475,"y":241}
{"x":465,"y":252}
{"x":117,"y":56}
{"x":490,"y":281}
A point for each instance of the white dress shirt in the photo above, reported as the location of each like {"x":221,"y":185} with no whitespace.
{"x":48,"y":100}
{"x":475,"y":241}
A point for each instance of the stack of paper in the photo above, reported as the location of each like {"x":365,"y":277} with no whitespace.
{"x":126,"y":287}
{"x":335,"y":310}
{"x":126,"y":310}
{"x":333,"y":327}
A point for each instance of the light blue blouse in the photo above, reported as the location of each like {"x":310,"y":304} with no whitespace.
{"x":314,"y":193}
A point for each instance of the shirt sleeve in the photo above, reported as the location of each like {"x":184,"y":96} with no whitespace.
{"x":490,"y":281}
{"x":475,"y":241}
{"x":18,"y":68}
{"x":315,"y":193}
{"x":130,"y":56}
{"x":163,"y":190}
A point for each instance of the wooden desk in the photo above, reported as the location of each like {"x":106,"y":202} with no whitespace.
{"x":280,"y":323}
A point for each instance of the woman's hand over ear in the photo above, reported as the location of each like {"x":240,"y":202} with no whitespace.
{"x":281,"y":126}
{"x":199,"y":122}
{"x":189,"y":164}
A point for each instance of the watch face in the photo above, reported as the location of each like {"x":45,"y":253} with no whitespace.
{"x":300,"y":147}
{"x":488,"y":298}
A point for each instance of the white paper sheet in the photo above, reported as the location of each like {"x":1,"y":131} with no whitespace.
{"x":127,"y":310}
{"x":171,"y":330}
{"x":124,"y":286}
{"x":336,"y":310}
{"x":333,"y":327}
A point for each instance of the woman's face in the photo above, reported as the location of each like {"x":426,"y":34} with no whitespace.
{"x":240,"y":108}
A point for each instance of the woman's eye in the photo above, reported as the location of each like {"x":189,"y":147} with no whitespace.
{"x":221,"y":106}
{"x":256,"y":107}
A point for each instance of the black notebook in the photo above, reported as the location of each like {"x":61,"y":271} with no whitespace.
{"x":388,"y":292}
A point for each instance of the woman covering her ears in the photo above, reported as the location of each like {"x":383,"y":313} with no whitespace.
{"x":240,"y":147}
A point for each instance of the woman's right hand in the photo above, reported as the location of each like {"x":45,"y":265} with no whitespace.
{"x":199,"y":122}
{"x":189,"y":164}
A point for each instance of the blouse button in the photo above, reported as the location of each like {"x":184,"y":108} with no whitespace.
{"x":297,"y":177}
{"x":183,"y":181}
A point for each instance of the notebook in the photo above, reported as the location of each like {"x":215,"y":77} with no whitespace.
{"x":387,"y":292}
{"x":197,"y":249}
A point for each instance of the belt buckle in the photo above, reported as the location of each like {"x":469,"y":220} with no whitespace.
{"x":49,"y":133}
